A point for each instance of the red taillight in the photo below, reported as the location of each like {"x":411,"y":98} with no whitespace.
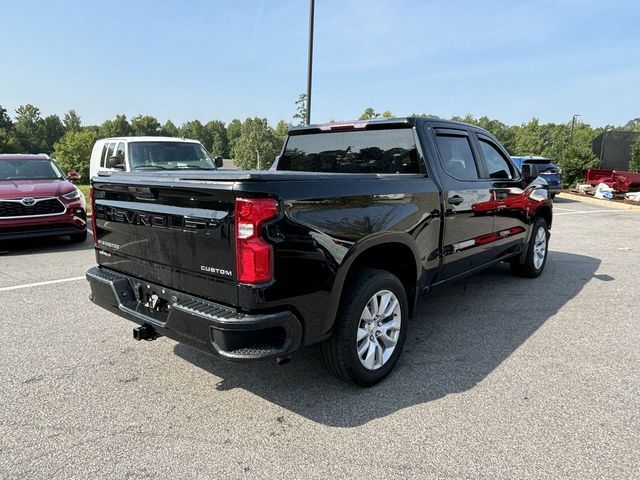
{"x":254,"y":256}
{"x":92,"y":202}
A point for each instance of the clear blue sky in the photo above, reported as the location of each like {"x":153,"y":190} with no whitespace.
{"x":511,"y":60}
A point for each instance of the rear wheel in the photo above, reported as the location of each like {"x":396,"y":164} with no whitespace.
{"x":536,"y":256}
{"x":370,"y":329}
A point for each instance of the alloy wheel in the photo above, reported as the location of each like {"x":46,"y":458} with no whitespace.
{"x":539,"y":248}
{"x":378,"y":330}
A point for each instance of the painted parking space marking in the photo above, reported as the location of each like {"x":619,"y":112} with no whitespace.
{"x":594,"y":211}
{"x":40,"y":284}
{"x":565,"y":209}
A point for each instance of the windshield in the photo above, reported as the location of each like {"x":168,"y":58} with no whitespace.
{"x":169,"y":156}
{"x":368,"y":151}
{"x":29,"y":170}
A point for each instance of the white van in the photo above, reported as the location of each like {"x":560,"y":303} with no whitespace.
{"x":150,"y":153}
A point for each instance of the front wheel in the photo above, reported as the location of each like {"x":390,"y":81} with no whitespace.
{"x":370,"y":328}
{"x":536,"y":255}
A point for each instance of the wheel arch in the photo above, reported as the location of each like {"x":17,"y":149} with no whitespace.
{"x":395,"y":253}
{"x":545,"y":212}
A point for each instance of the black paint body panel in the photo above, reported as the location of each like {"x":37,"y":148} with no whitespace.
{"x":326,"y":222}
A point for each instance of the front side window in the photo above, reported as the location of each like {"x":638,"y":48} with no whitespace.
{"x":365,"y":151}
{"x":457,"y":157}
{"x":169,"y":156}
{"x":29,"y":170}
{"x":497,"y":165}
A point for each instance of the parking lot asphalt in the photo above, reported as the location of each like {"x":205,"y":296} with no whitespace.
{"x":502,"y":377}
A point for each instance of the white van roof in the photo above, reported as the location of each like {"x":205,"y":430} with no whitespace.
{"x":150,"y":139}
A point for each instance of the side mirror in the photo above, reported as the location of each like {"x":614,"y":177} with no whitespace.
{"x":529,"y":172}
{"x":73,"y":176}
{"x":219,"y":162}
{"x":115,"y":162}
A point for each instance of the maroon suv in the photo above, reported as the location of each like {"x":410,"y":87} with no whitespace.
{"x":38,"y":200}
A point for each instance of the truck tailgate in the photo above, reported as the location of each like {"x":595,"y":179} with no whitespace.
{"x":178,"y":236}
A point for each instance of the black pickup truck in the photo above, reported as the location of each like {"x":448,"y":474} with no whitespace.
{"x":334,"y":244}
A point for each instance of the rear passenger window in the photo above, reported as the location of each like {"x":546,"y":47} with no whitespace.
{"x":497,"y":165}
{"x":457,"y":157}
{"x":103,"y":155}
{"x":120,"y":152}
{"x":110,"y":149}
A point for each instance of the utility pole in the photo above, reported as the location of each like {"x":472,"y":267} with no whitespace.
{"x":573,"y":125}
{"x":310,"y":61}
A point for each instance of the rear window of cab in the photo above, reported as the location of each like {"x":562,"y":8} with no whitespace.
{"x":365,"y":151}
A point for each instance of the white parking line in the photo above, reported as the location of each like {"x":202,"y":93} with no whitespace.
{"x":39,"y":284}
{"x":565,"y":209}
{"x":594,"y":211}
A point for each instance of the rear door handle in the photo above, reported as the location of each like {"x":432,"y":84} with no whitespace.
{"x":455,"y":200}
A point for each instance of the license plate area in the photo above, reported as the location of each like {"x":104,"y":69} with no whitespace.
{"x":153,"y":298}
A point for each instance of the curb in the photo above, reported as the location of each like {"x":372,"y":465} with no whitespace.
{"x":597,"y":201}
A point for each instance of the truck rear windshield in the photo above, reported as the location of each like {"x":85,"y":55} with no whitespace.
{"x":169,"y":156}
{"x":366,"y":151}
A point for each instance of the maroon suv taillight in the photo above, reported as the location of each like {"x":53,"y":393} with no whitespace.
{"x":92,"y":202}
{"x":254,"y":256}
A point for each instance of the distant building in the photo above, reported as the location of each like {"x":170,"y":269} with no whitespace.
{"x":614,"y":149}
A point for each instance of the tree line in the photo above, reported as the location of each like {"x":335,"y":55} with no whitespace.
{"x":253,"y":143}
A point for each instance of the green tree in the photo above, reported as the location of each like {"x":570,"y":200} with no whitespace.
{"x":234,"y":130}
{"x":574,"y":163}
{"x":5,"y":119}
{"x":73,"y":151}
{"x":387,"y":114}
{"x":301,"y":109}
{"x":281,"y":131}
{"x":119,"y":127}
{"x":71,"y":121}
{"x":368,"y":114}
{"x":219,"y":141}
{"x":53,"y":131}
{"x":169,"y":129}
{"x":8,"y":142}
{"x":632,"y":125}
{"x":257,"y":146}
{"x":634,"y":163}
{"x":428,"y":115}
{"x":528,"y":138}
{"x":145,"y":125}
{"x":196,"y":131}
{"x":498,"y":130}
{"x":29,"y":129}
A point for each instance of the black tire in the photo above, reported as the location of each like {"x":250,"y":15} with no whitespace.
{"x":553,"y":195}
{"x":528,"y":268}
{"x":340,"y":352}
{"x":79,"y":237}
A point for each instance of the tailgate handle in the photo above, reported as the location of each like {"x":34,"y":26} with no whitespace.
{"x":455,"y":200}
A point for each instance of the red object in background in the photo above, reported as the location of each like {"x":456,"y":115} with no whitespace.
{"x":620,"y":181}
{"x":37,"y":207}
